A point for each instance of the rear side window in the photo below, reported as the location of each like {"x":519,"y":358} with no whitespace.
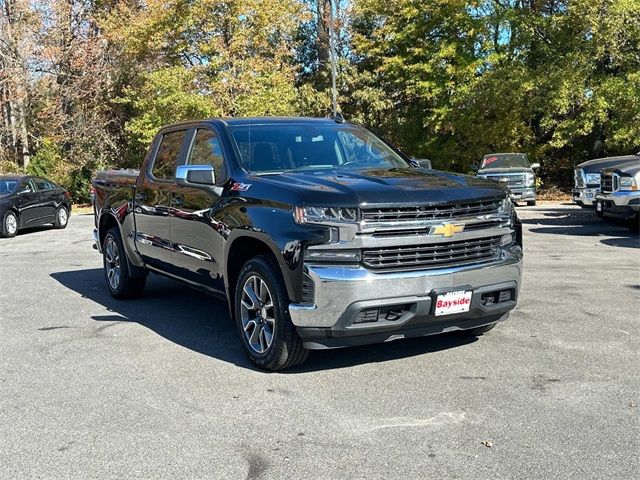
{"x":166,"y":161}
{"x":43,"y":184}
{"x":206,"y":150}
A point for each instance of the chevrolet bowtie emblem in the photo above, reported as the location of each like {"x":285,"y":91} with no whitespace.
{"x":447,"y":230}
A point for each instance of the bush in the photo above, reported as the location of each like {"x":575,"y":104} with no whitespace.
{"x":48,"y":162}
{"x":7,"y":166}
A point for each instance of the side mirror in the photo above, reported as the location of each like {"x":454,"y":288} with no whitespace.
{"x":421,"y":163}
{"x":535,"y":166}
{"x":195,"y":175}
{"x":474,"y":168}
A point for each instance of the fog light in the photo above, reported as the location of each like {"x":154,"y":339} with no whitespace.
{"x":505,"y":296}
{"x":506,"y":239}
{"x":368,"y":315}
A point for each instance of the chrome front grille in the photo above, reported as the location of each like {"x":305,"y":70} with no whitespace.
{"x":510,"y":181}
{"x":405,"y":215}
{"x":608,"y":182}
{"x":435,"y":255}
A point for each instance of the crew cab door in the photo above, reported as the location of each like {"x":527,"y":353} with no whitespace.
{"x":154,"y":191}
{"x":196,"y":235}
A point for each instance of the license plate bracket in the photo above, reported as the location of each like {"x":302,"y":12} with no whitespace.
{"x":452,"y":301}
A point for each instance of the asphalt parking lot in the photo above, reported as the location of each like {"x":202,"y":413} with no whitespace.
{"x":91,"y":387}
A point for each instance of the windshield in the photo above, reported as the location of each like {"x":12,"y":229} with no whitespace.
{"x":8,"y":186}
{"x":505,"y":160}
{"x":279,"y":148}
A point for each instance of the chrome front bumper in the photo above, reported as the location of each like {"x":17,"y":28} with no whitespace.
{"x":340,"y":291}
{"x":585,"y":196}
{"x":522,"y":194}
{"x":96,"y":240}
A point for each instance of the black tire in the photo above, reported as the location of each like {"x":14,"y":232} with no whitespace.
{"x":634,"y":223}
{"x":599,"y":213}
{"x":531,"y":203}
{"x":285,"y":349}
{"x":115,"y":264}
{"x":476,"y":332}
{"x":62,"y":217}
{"x":10,"y":224}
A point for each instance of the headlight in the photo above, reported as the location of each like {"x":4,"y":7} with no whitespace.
{"x":506,"y":206}
{"x":530,"y":179}
{"x":593,"y":178}
{"x":628,"y":183}
{"x":325,"y":215}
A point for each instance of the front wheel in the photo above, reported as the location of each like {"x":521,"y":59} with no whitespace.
{"x":9,"y":225}
{"x":120,"y":283}
{"x":531,"y":203}
{"x":62,"y":217}
{"x":268,"y":336}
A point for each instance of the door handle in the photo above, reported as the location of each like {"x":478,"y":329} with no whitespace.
{"x":178,"y":201}
{"x":140,"y":197}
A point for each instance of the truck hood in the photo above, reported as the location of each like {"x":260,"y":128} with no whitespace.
{"x":499,"y":171}
{"x":405,"y":186}
{"x":597,"y":164}
{"x":630,"y":168}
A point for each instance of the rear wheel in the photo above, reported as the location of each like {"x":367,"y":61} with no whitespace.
{"x":62,"y":217}
{"x":531,"y":203}
{"x":268,"y":336}
{"x":116,"y":268}
{"x":9,"y":225}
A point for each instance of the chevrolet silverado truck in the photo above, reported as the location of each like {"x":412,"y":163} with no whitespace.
{"x":587,"y":177}
{"x":317,"y":234}
{"x":514,"y":171}
{"x":619,"y":196}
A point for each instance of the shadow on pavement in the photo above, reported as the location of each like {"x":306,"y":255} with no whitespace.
{"x":201,"y":323}
{"x":583,"y":222}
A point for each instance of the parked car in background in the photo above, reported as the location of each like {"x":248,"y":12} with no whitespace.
{"x":317,"y":233}
{"x":27,"y":201}
{"x":514,"y":171}
{"x":619,"y":195}
{"x":587,"y":177}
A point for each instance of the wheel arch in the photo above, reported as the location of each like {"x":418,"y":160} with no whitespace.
{"x":240,"y":249}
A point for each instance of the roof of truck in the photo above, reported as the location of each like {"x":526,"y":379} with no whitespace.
{"x":242,"y":121}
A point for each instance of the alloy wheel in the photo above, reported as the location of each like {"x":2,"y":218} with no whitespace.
{"x":62,"y":216}
{"x":11,"y":224}
{"x":257,"y":314}
{"x":112,"y":263}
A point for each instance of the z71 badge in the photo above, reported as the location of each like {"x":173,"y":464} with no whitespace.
{"x":240,"y":187}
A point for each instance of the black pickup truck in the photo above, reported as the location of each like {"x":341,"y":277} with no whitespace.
{"x":316,"y":232}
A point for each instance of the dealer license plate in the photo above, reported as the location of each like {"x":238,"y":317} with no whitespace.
{"x":453,"y":302}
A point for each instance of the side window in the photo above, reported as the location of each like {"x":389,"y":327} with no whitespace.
{"x":166,"y":161}
{"x":43,"y":184}
{"x":27,"y":187}
{"x":206,"y":150}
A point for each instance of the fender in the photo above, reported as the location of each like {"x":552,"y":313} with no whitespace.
{"x":291,"y":272}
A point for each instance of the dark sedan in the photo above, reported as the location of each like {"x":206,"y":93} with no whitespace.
{"x":27,"y":201}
